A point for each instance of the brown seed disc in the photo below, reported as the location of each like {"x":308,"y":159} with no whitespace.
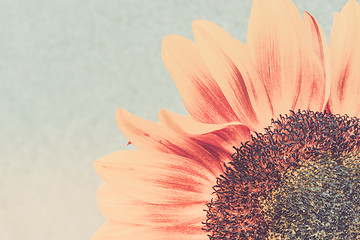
{"x":299,"y":180}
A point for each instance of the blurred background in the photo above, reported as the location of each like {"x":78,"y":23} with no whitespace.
{"x":65,"y":67}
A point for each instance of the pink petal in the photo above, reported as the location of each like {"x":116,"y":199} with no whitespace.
{"x":345,"y":61}
{"x":113,"y":230}
{"x":322,"y":52}
{"x":157,"y":178}
{"x":233,"y":70}
{"x":284,"y":55}
{"x":219,"y":140}
{"x":201,"y":95}
{"x":117,"y":206}
{"x":150,"y":136}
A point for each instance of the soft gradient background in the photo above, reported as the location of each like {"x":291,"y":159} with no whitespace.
{"x":65,"y":67}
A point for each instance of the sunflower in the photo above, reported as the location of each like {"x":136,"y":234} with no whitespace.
{"x":270,"y":149}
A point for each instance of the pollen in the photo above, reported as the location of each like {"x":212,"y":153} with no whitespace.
{"x":298,"y":180}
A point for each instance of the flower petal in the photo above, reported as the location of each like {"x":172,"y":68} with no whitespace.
{"x":217,"y":139}
{"x":205,"y":147}
{"x":189,"y":126}
{"x":116,"y":205}
{"x":200,"y":93}
{"x":231,"y":66}
{"x":156,"y":178}
{"x":113,"y":230}
{"x":321,"y":50}
{"x":157,"y":190}
{"x":345,"y":61}
{"x":284,"y":56}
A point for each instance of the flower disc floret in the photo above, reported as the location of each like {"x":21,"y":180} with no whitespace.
{"x":300,"y":179}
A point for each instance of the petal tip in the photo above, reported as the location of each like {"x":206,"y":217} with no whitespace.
{"x":200,"y":23}
{"x":169,"y":39}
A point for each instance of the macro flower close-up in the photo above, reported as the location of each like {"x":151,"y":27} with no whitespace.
{"x":270,"y":148}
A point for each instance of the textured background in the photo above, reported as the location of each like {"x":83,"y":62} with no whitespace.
{"x":65,"y":66}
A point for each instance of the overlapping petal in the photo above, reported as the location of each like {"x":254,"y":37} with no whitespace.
{"x":231,"y":66}
{"x":218,"y":142}
{"x":113,"y":230}
{"x":114,"y":204}
{"x":283,"y":51}
{"x":200,"y":92}
{"x":345,"y":61}
{"x":147,"y":135}
{"x":163,"y":178}
{"x":163,"y":190}
{"x":321,"y":50}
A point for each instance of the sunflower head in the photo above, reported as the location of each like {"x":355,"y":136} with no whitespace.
{"x":299,"y":179}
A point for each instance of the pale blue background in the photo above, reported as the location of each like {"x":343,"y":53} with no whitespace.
{"x":65,"y":66}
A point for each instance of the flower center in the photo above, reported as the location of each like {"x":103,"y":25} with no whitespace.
{"x":299,"y":180}
{"x":320,"y":199}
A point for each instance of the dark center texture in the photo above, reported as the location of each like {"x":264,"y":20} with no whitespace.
{"x":298,"y":180}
